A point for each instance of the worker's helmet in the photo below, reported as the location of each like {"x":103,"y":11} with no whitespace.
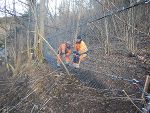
{"x":68,"y":44}
{"x":79,"y":39}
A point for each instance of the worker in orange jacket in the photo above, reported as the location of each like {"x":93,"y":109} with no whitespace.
{"x":64,"y":52}
{"x":80,"y":52}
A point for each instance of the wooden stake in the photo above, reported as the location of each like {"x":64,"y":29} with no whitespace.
{"x":147,"y":85}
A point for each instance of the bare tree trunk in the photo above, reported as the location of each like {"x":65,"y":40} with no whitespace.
{"x":35,"y":26}
{"x":33,"y":14}
{"x":28,"y":36}
{"x":41,"y":30}
{"x":55,"y":7}
{"x":78,"y":19}
{"x":16,"y":59}
{"x":6,"y":35}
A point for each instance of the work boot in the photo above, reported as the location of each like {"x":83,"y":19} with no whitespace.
{"x":67,"y":64}
{"x":58,"y":65}
{"x":76,"y":65}
{"x":147,"y":1}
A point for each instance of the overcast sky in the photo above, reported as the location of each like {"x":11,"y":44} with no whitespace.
{"x":20,"y":7}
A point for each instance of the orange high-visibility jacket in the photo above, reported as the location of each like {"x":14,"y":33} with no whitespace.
{"x":81,"y":47}
{"x":64,"y":50}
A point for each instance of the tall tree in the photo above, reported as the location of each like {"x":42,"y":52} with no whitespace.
{"x":41,"y":33}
